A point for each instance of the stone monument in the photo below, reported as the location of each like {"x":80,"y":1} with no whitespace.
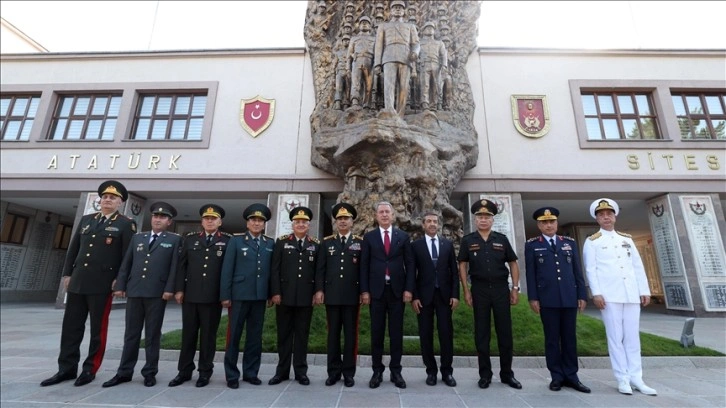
{"x":387,"y":148}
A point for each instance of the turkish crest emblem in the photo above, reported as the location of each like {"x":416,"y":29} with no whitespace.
{"x":255,"y":115}
{"x":531,"y":115}
{"x":658,"y":210}
{"x":698,"y":208}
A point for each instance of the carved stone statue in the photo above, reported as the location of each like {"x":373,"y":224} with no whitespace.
{"x":360,"y":57}
{"x":396,"y":51}
{"x":433,"y":60}
{"x":342,"y":75}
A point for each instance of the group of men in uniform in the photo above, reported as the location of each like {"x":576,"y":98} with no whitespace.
{"x":210,"y":270}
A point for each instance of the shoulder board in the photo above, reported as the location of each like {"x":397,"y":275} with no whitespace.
{"x":357,"y":237}
{"x":268,"y":237}
{"x":533,"y":239}
{"x":226,"y":234}
{"x":329,"y":237}
{"x":595,"y":236}
{"x":283,"y":237}
{"x":238,"y":234}
{"x":565,"y":237}
{"x":315,"y":240}
{"x":623,"y":234}
{"x":189,"y":234}
{"x":173,"y":233}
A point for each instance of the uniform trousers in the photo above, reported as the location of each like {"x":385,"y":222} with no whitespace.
{"x":622,"y":327}
{"x":391,"y":306}
{"x":251,"y":312}
{"x":199,"y":321}
{"x":560,"y":342}
{"x":395,"y":78}
{"x":293,"y":330}
{"x":78,"y":308}
{"x":146,"y":313}
{"x":488,"y":299}
{"x":441,"y":308}
{"x":342,"y":318}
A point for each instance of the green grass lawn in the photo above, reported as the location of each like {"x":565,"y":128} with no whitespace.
{"x":527,"y":330}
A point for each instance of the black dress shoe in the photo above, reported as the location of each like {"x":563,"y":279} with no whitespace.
{"x":449,"y":380}
{"x":397,"y":380}
{"x":179,"y":380}
{"x":202,"y":382}
{"x":555,"y":385}
{"x":149,"y":381}
{"x":276,"y":379}
{"x":332,"y":380}
{"x":512,"y":382}
{"x":484,"y":382}
{"x":431,"y":379}
{"x":233,"y":384}
{"x":348,"y":381}
{"x":578,"y":386}
{"x":85,"y":378}
{"x":302,"y":379}
{"x":116,"y":380}
{"x":376,"y":380}
{"x":57,"y":378}
{"x":252,"y":380}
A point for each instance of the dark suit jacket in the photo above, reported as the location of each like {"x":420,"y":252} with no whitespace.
{"x":96,"y":251}
{"x":294,"y":272}
{"x":340,"y":268}
{"x":246,"y":268}
{"x":374,"y":262}
{"x":149,"y":272}
{"x":554,"y":277}
{"x":425,"y":270}
{"x":200,"y":266}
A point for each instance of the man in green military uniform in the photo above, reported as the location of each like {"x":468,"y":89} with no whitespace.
{"x":293,"y":287}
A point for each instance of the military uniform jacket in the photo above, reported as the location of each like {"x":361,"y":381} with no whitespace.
{"x":246,"y":268}
{"x":149,"y":272}
{"x":96,"y":251}
{"x":554,"y":276}
{"x":294,"y":272}
{"x":200,"y":266}
{"x":340,"y":267}
{"x":394,"y":42}
{"x":487,"y":259}
{"x":614,"y":268}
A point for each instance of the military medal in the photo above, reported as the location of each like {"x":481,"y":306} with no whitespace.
{"x":541,"y":260}
{"x":219,"y":253}
{"x":109,"y":240}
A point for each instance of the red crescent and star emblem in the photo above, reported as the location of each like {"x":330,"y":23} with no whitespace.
{"x":256,"y":114}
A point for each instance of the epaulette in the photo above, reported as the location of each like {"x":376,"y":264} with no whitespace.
{"x":189,"y":234}
{"x":315,"y":240}
{"x":624,"y":234}
{"x":238,"y":234}
{"x":173,"y":233}
{"x":358,"y":237}
{"x":284,"y":237}
{"x":568,"y":238}
{"x":595,"y":236}
{"x":226,"y":234}
{"x":533,"y":239}
{"x":329,"y":237}
{"x":268,"y":237}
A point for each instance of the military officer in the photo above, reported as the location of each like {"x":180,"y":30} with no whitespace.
{"x":556,"y":290}
{"x":197,"y":290}
{"x":244,"y":290}
{"x":147,"y":278}
{"x":294,"y":286}
{"x":619,"y":288}
{"x":484,"y":256}
{"x":339,"y":263}
{"x":97,"y":247}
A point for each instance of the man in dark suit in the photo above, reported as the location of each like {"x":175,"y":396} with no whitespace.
{"x":295,"y":288}
{"x":147,"y":279}
{"x":556,"y":290}
{"x":96,"y":250}
{"x":436,"y":292}
{"x":244,"y":291}
{"x":385,"y":285}
{"x":197,"y":290}
{"x":339,"y":263}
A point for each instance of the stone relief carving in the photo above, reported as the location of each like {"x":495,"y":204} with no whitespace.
{"x":373,"y":125}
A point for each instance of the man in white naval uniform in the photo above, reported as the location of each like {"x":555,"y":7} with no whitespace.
{"x":619,"y":287}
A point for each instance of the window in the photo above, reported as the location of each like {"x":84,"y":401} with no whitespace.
{"x":701,"y":115}
{"x":17,"y":114}
{"x":620,"y":116}
{"x":85,"y":117}
{"x":170,"y":117}
{"x":14,"y":227}
{"x":62,"y":236}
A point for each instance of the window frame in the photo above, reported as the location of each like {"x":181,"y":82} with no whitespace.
{"x":708,"y":117}
{"x":62,"y":236}
{"x":171,"y":117}
{"x":12,"y":218}
{"x":23,"y":119}
{"x":85,"y":118}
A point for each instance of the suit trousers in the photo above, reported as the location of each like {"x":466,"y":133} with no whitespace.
{"x":293,"y":330}
{"x":622,"y":328}
{"x":199,"y":321}
{"x":342,"y":318}
{"x":494,"y":299}
{"x":146,"y":313}
{"x":439,"y":307}
{"x":78,"y":308}
{"x":389,"y":306}
{"x":560,"y":336}
{"x":251,"y":312}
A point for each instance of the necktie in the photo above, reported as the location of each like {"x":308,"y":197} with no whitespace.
{"x":209,"y":239}
{"x":342,"y":239}
{"x":101,"y":221}
{"x":299,"y":245}
{"x":153,"y":239}
{"x":435,"y":257}
{"x":552,"y":244}
{"x":387,"y":247}
{"x":256,"y":241}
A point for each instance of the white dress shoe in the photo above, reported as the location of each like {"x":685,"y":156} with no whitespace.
{"x":644,"y":388}
{"x":624,"y":388}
